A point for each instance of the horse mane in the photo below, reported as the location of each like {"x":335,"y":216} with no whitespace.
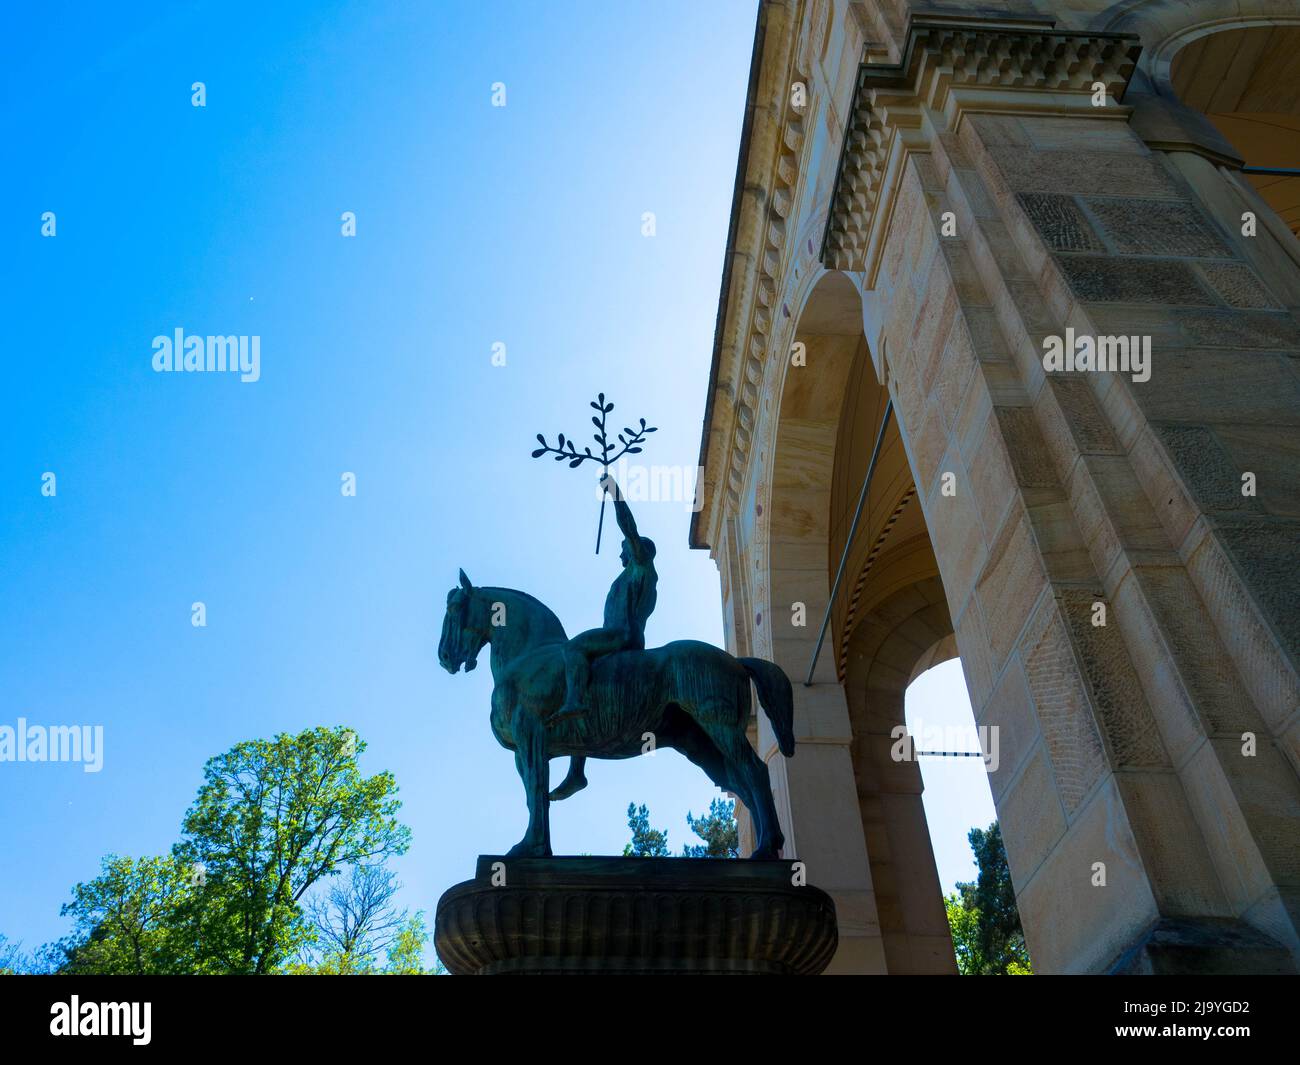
{"x":546,"y":616}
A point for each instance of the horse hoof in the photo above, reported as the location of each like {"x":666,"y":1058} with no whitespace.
{"x":567,"y":788}
{"x":527,"y":850}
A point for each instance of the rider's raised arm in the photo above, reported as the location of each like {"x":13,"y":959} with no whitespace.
{"x":623,"y":514}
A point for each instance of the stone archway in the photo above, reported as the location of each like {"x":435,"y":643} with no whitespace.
{"x":1123,"y":610}
{"x":1246,"y":81}
{"x":886,"y":650}
{"x":816,"y":790}
{"x":844,"y":791}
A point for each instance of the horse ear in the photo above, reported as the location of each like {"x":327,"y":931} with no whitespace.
{"x":464,"y":582}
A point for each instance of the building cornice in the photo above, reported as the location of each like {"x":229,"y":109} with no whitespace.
{"x":943,"y":59}
{"x":766,"y":177}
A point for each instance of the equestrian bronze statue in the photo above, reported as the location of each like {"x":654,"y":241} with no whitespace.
{"x":603,"y":695}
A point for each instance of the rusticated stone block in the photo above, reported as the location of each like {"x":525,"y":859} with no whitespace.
{"x":1237,"y":284}
{"x":1059,"y":222}
{"x":1214,"y":482}
{"x":1166,"y":612}
{"x":958,"y":536}
{"x":1024,"y":442}
{"x":956,"y":367}
{"x":1123,"y":173}
{"x":1116,"y":689}
{"x":1265,"y":553}
{"x":1012,"y":581}
{"x":1072,"y":423}
{"x":634,"y":916}
{"x":1088,"y":426}
{"x":933,"y":321}
{"x":993,"y":479}
{"x":1263,"y":667}
{"x":1272,"y":453}
{"x":1063,"y":550}
{"x":966,"y":281}
{"x":973,"y":644}
{"x":1103,"y":921}
{"x":1156,"y":227}
{"x":1101,"y":279}
{"x":1207,"y":387}
{"x":1077,"y":134}
{"x":1241,"y":329}
{"x":1032,"y":818}
{"x":928,"y":445}
{"x":1010,"y":710}
{"x":1061,"y":701}
{"x":1174,"y":853}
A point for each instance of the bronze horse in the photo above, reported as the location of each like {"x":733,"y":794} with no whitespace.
{"x":686,"y":695}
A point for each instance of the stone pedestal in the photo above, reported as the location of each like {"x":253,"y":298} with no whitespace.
{"x":634,"y":916}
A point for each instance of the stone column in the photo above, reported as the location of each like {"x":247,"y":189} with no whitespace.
{"x":883,"y":653}
{"x":1124,"y":613}
{"x":1200,"y":578}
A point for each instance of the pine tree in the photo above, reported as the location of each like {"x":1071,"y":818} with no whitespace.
{"x":718,"y":829}
{"x":646,"y":842}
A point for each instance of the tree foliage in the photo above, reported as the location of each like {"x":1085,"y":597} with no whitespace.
{"x":718,"y":829}
{"x":982,"y":915}
{"x":406,"y":951}
{"x":646,"y":842}
{"x":353,"y":921}
{"x":131,"y":920}
{"x":272,"y":818}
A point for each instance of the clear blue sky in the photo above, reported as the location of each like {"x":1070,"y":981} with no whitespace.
{"x":475,"y":225}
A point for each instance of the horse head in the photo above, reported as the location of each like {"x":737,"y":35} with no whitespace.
{"x":464,"y":629}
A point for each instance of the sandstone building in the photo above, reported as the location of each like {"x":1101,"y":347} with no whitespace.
{"x":925,"y":195}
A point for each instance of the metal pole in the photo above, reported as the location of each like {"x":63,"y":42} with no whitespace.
{"x":848,"y":543}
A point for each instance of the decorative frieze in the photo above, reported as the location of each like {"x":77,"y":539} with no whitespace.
{"x":938,"y":59}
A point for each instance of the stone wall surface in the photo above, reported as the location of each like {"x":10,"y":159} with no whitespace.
{"x":941,"y":212}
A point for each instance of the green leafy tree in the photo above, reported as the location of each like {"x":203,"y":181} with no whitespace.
{"x":129,"y":920}
{"x":11,"y":957}
{"x":964,"y":925}
{"x":718,"y":829}
{"x":14,"y":961}
{"x":406,"y":954}
{"x":273,"y":818}
{"x":646,"y":842}
{"x":353,"y":922}
{"x":985,"y":923}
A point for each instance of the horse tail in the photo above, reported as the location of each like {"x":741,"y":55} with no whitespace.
{"x":776,"y":697}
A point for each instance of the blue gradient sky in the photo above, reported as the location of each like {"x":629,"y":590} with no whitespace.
{"x":475,"y":225}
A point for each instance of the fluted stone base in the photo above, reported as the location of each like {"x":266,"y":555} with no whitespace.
{"x":540,"y":916}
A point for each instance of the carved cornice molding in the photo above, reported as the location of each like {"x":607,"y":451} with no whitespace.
{"x":773,"y":232}
{"x":773,"y":157}
{"x":942,"y":62}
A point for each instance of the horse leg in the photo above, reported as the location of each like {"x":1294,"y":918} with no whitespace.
{"x":574,"y":782}
{"x":747,"y":769}
{"x":534,"y":770}
{"x":694,"y":741}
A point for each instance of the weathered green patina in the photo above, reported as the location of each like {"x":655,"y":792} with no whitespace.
{"x":687,"y":696}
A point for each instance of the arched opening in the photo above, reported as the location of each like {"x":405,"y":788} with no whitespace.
{"x":951,"y":754}
{"x":889,"y":621}
{"x":891,"y":625}
{"x":1246,"y":81}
